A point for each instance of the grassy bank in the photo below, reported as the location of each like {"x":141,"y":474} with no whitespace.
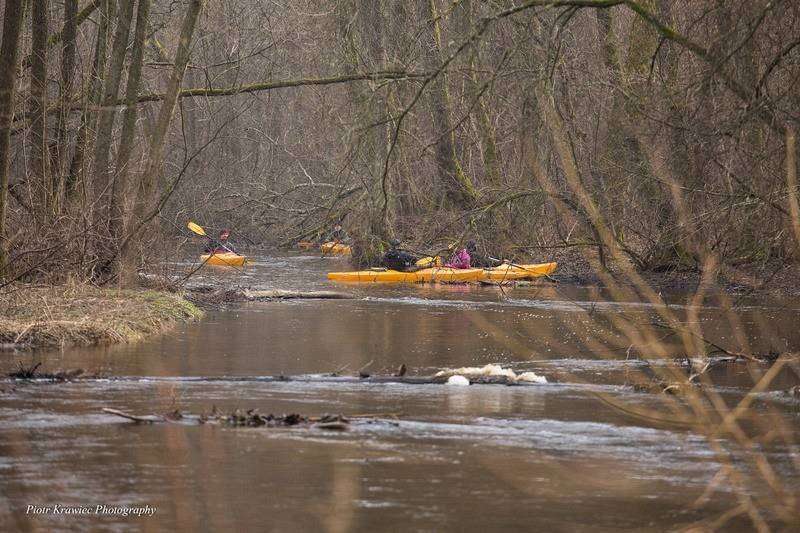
{"x":46,"y":316}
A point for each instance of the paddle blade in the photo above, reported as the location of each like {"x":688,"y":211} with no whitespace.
{"x":196,"y":229}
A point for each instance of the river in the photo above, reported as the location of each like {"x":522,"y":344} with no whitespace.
{"x":568,"y":455}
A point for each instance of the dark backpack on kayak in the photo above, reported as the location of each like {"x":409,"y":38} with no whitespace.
{"x":398,"y":260}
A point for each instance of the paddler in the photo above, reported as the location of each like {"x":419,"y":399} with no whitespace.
{"x":461,"y":259}
{"x":338,"y":234}
{"x":397,"y":259}
{"x":221,"y":245}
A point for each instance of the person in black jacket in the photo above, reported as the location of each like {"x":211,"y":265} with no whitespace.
{"x":397,"y":259}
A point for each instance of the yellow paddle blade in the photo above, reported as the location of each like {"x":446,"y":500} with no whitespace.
{"x":196,"y":229}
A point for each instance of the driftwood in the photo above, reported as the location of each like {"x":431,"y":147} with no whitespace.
{"x":249,"y":418}
{"x":147,"y":419}
{"x":281,"y":294}
{"x":206,"y":294}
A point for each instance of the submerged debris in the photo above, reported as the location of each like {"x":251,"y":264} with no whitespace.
{"x":252,"y":418}
{"x":32,"y":372}
{"x":457,"y":381}
{"x":249,"y":418}
{"x":25,"y":373}
{"x":491,"y":371}
{"x":488,"y":375}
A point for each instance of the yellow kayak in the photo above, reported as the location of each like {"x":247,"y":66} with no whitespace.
{"x":394,"y":276}
{"x":335,"y":248}
{"x":507,"y":272}
{"x":223,"y":259}
{"x":449,"y":274}
{"x":371,"y":276}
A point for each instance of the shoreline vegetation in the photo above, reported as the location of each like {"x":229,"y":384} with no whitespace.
{"x":39,"y":316}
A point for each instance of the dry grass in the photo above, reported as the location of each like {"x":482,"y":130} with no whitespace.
{"x":79,"y":314}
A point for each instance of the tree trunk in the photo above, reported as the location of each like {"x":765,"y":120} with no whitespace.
{"x":101,"y":182}
{"x":9,"y":51}
{"x":60,"y":154}
{"x":458,"y":186}
{"x":120,"y":181}
{"x":40,"y":155}
{"x":77,"y":169}
{"x":155,"y":156}
{"x":486,"y":131}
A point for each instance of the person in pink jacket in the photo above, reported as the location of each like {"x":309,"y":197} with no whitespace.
{"x":461,"y":259}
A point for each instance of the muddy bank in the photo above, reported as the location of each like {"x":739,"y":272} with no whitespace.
{"x":65,"y":315}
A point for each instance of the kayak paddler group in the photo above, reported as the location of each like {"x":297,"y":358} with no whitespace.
{"x":462,"y":258}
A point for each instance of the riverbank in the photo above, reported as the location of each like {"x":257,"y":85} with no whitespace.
{"x":776,"y":279}
{"x":78,"y":314}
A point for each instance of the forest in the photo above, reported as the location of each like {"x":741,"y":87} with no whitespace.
{"x":653,"y":134}
{"x":643,"y":152}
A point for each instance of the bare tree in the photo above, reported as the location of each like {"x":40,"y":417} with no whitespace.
{"x":12,"y":28}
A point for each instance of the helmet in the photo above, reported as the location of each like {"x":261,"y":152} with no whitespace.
{"x":394,"y":243}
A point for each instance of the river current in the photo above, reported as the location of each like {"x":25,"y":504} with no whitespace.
{"x":573,"y":454}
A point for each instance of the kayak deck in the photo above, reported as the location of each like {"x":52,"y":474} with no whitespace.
{"x":223,"y":259}
{"x":395,"y":276}
{"x":507,"y":272}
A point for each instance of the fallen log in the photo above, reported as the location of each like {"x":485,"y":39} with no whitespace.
{"x":282,"y":294}
{"x":206,"y":294}
{"x":147,"y":419}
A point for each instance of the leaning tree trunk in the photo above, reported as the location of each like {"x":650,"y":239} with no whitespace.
{"x":155,"y":156}
{"x":39,"y":155}
{"x":9,"y":50}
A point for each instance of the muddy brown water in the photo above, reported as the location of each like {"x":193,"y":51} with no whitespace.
{"x":563,"y":456}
